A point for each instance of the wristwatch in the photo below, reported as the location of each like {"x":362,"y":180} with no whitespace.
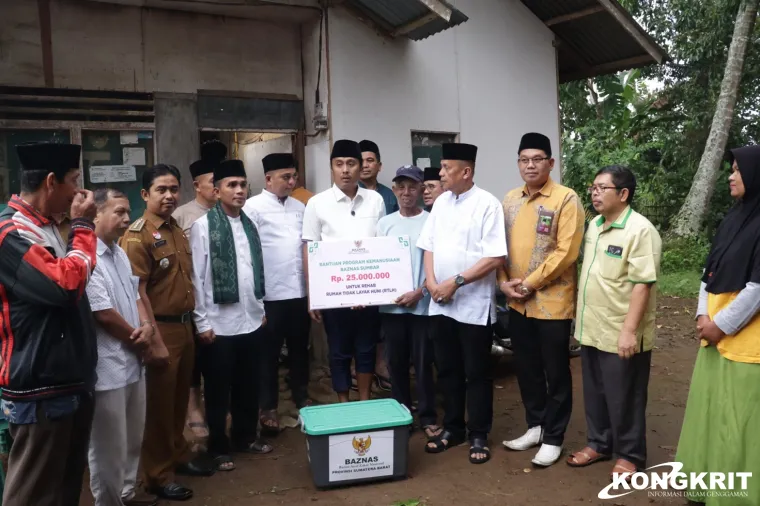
{"x":523,"y":290}
{"x":425,"y":292}
{"x":459,"y":280}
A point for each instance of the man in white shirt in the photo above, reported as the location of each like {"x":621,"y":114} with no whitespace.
{"x":125,"y":339}
{"x":406,"y":325}
{"x":346,"y":211}
{"x":464,"y":242}
{"x":212,"y":153}
{"x":279,"y":220}
{"x":228,"y":279}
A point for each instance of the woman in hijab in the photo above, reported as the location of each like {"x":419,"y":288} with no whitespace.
{"x":721,"y":428}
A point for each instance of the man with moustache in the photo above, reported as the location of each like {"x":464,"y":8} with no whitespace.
{"x":405,"y":325}
{"x":49,"y":348}
{"x":228,"y":277}
{"x":279,"y":220}
{"x":125,"y":340}
{"x":616,"y":324}
{"x":212,"y":153}
{"x":464,"y":243}
{"x":160,"y":256}
{"x":346,"y":211}
{"x":544,"y":231}
{"x":432,"y":187}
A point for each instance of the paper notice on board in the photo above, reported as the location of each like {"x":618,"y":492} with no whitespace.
{"x":101,"y":174}
{"x":423,"y":163}
{"x":133,"y":156}
{"x":128,"y":137}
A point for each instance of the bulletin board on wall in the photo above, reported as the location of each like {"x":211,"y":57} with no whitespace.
{"x":117,"y":159}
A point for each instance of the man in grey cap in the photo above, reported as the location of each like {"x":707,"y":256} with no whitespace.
{"x":405,"y":325}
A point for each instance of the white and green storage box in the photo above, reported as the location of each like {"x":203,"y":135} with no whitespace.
{"x":356,"y":442}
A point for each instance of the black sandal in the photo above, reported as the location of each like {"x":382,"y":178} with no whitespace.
{"x":479,"y":445}
{"x":432,"y":431}
{"x":256,"y":448}
{"x":220,"y":461}
{"x":440,"y":446}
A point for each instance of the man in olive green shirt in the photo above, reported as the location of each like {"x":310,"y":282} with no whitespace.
{"x":615,"y":323}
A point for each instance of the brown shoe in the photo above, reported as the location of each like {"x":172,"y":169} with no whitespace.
{"x":142,"y":499}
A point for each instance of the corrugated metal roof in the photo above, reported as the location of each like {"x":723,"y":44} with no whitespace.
{"x":395,"y":14}
{"x":595,"y":37}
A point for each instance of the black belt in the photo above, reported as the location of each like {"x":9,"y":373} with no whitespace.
{"x":183,"y":318}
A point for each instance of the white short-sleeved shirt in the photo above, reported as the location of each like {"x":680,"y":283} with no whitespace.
{"x":242,"y":317}
{"x":331,"y":215}
{"x":112,"y":286}
{"x":279,"y":224}
{"x":460,"y":231}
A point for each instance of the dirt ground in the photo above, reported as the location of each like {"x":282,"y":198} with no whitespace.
{"x":283,"y":477}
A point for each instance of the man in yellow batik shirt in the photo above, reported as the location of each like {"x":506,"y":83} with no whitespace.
{"x":544,"y":223}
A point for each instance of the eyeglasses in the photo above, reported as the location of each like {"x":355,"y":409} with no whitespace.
{"x":601,"y":189}
{"x":536,"y":160}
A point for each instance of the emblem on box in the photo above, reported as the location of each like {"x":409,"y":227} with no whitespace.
{"x":361,"y":445}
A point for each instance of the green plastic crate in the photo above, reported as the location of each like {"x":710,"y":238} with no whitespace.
{"x":356,"y":442}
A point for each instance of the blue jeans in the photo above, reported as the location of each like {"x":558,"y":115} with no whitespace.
{"x":351,"y":334}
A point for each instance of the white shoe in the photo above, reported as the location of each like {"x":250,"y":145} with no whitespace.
{"x":532,"y":438}
{"x":547,"y":455}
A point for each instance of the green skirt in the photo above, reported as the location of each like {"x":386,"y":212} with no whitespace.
{"x":721,"y":427}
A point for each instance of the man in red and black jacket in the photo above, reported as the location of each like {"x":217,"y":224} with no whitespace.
{"x":48,"y":347}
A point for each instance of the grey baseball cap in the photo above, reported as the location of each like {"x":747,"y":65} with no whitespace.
{"x":410,"y":171}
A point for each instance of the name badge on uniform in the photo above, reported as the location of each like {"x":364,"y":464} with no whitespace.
{"x":160,"y":243}
{"x":164,"y":263}
{"x":545,"y":219}
{"x":615,"y":251}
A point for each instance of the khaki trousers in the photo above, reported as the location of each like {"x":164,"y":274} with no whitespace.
{"x":47,"y":460}
{"x":167,"y":395}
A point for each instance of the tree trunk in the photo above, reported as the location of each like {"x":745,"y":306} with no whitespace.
{"x":688,"y":222}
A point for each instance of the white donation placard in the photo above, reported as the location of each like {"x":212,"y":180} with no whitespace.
{"x":359,"y":456}
{"x":374,"y":271}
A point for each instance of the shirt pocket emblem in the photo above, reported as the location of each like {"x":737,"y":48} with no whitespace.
{"x":615,"y":251}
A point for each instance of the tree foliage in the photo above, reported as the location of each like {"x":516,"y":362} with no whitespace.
{"x":656,"y":120}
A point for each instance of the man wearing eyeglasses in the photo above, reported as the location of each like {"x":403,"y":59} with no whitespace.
{"x":432,"y":188}
{"x":544,"y":222}
{"x":616,"y":323}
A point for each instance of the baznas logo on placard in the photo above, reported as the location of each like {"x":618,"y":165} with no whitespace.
{"x":358,"y":248}
{"x":361,"y":445}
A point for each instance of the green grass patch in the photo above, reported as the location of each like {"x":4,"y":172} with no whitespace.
{"x":684,"y":284}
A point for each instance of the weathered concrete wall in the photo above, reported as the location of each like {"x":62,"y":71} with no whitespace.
{"x":177,"y":141}
{"x":491,"y":80}
{"x":105,"y":46}
{"x":20,"y":47}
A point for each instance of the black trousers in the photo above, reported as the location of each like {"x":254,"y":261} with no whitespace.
{"x":407,"y":337}
{"x":462,"y":355}
{"x":615,"y":395}
{"x":232,"y":385}
{"x":288,"y":322}
{"x":542,"y":355}
{"x":351,"y":334}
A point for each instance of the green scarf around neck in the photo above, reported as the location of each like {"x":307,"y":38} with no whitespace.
{"x":224,"y":273}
